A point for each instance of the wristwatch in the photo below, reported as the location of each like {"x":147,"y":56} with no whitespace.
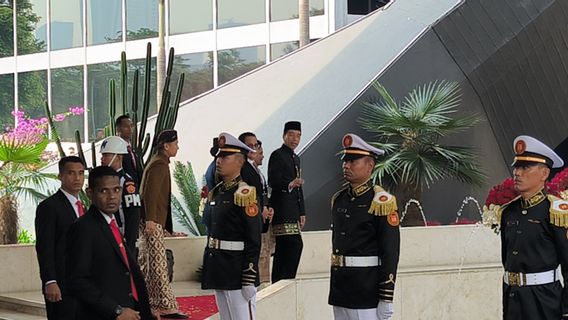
{"x":118,"y":311}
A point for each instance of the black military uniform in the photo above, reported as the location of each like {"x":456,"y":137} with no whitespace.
{"x":534,"y":242}
{"x":358,"y":233}
{"x":365,"y":242}
{"x":238,"y":223}
{"x":131,"y":206}
{"x":288,"y":205}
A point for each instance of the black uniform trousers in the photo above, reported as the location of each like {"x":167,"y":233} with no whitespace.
{"x":521,"y":303}
{"x":287,"y":257}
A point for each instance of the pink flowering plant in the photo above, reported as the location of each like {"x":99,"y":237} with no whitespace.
{"x":22,"y":153}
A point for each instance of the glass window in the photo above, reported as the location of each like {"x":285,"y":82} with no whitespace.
{"x":233,"y":13}
{"x":198,"y":69}
{"x":32,"y":93}
{"x":190,"y":16}
{"x":66,"y":93}
{"x":104,"y":21}
{"x":235,"y":62}
{"x":32,"y":28}
{"x":139,"y":64}
{"x":316,"y":8}
{"x":98,"y":77}
{"x":141,"y":19}
{"x":278,"y":50}
{"x":7,"y":27}
{"x":6,"y":101}
{"x":66,"y":24}
{"x":283,"y":10}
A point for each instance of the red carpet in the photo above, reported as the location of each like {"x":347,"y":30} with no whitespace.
{"x":198,"y":307}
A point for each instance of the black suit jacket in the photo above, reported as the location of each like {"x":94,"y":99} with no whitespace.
{"x":54,"y":216}
{"x":283,"y":167}
{"x":132,"y":169}
{"x":97,"y":275}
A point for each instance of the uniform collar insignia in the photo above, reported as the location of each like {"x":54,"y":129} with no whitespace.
{"x":361,"y":189}
{"x":231,"y":184}
{"x":533,"y":201}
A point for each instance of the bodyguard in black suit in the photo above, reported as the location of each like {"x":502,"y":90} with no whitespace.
{"x":114,"y":150}
{"x":131,"y":163}
{"x":101,"y":272}
{"x":287,"y":200}
{"x":53,"y":218}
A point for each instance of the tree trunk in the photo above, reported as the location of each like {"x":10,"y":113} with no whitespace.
{"x":161,"y":58}
{"x":8,"y":219}
{"x":413,"y":217}
{"x":304,"y":17}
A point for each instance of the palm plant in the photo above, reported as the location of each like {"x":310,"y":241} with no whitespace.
{"x":19,"y":175}
{"x":188,"y":213}
{"x":410,"y":133}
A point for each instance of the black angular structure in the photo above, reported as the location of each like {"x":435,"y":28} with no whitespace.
{"x":509,"y":56}
{"x":511,"y":60}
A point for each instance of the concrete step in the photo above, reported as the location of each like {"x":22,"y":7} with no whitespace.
{"x":30,"y":303}
{"x":6,"y":314}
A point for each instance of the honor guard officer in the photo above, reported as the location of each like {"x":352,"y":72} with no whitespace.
{"x":113,"y":149}
{"x":287,"y":200}
{"x":231,"y":256}
{"x":365,"y":239}
{"x":534,"y":238}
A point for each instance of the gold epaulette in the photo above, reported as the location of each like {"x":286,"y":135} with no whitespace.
{"x":383,"y":203}
{"x":335,"y":195}
{"x":500,"y":209}
{"x":245,"y":195}
{"x":558,"y":211}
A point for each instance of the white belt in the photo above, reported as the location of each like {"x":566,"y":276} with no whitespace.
{"x":348,"y":261}
{"x":225,"y":245}
{"x":530,"y":279}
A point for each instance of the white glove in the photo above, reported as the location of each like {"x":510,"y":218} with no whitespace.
{"x":248,"y":292}
{"x":385,"y":310}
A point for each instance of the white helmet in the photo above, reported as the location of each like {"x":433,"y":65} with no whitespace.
{"x":115,"y":145}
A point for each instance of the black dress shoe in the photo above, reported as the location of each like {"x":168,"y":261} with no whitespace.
{"x":176,"y":315}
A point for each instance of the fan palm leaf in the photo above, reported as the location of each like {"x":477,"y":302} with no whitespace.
{"x":410,"y":132}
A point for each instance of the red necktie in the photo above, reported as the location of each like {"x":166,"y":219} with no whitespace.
{"x":118,"y":238}
{"x":80,"y":208}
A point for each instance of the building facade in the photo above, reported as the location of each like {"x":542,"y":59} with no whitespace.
{"x":66,"y":51}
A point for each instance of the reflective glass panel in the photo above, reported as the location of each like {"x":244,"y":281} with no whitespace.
{"x":104,"y":21}
{"x":316,"y":7}
{"x":66,"y":24}
{"x":32,"y":93}
{"x":277,"y":50}
{"x":6,"y":101}
{"x":98,"y":77}
{"x":67,"y":93}
{"x":283,"y":10}
{"x":7,"y":33}
{"x":235,"y":62}
{"x":32,"y":27}
{"x":233,"y":13}
{"x":198,"y":69}
{"x":190,"y":16}
{"x":141,"y":19}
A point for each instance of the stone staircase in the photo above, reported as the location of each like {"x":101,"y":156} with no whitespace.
{"x":22,"y":306}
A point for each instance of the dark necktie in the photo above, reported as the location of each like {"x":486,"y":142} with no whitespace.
{"x":118,"y":238}
{"x":131,"y":153}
